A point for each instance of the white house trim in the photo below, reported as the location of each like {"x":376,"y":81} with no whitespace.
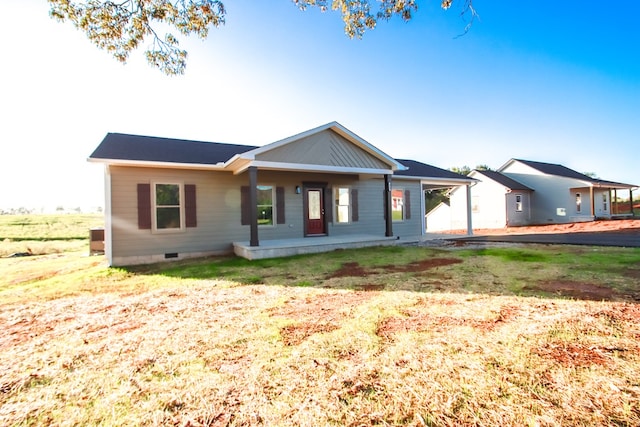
{"x":303,"y":167}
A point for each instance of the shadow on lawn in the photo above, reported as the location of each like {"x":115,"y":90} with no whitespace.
{"x":398,"y":269}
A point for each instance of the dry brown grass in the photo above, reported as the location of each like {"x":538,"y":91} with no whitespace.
{"x":149,"y":349}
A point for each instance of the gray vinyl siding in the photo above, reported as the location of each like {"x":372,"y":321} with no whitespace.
{"x":324,"y":148}
{"x":218,"y":206}
{"x":218,"y":211}
{"x":515,"y":218}
{"x":553,"y":201}
{"x":413,"y":226}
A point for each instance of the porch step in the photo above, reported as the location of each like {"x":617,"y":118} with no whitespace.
{"x":309,"y":245}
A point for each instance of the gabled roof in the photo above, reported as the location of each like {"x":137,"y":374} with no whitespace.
{"x":118,"y":146}
{"x":563,"y":171}
{"x":551,"y":169}
{"x":504,"y":180}
{"x":335,"y":127}
{"x":422,"y":170}
{"x":358,"y":156}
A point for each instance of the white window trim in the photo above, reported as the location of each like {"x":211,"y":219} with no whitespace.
{"x":519,"y":205}
{"x":404,"y":209}
{"x":274,"y":204}
{"x":154,"y":206}
{"x":335,"y":197}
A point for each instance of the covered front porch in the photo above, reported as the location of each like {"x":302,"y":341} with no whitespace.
{"x":290,"y":247}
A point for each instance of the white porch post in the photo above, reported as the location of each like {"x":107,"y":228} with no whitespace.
{"x":469,"y":223}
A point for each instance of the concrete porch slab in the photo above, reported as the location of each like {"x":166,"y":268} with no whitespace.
{"x":309,"y":245}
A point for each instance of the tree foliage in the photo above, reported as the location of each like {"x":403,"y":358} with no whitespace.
{"x":120,"y":26}
{"x":466,"y":170}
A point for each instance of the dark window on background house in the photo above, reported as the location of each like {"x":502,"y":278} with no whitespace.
{"x":578,"y":202}
{"x":518,"y":202}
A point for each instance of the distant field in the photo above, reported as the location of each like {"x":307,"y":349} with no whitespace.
{"x":46,"y":234}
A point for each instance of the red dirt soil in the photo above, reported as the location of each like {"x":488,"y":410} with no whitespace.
{"x":576,"y":227}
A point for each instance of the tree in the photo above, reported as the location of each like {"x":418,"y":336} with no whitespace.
{"x":121,"y":26}
{"x":466,"y":170}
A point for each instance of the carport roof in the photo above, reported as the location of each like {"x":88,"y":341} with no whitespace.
{"x":501,"y":179}
{"x":423,"y":170}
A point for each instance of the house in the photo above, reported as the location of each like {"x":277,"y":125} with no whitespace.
{"x":525,"y":192}
{"x":317,"y":190}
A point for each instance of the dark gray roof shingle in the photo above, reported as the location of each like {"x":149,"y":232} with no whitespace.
{"x":557,"y":170}
{"x":117,"y":146}
{"x":418,"y":169}
{"x":504,"y":180}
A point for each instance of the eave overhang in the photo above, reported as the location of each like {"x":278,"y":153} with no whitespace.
{"x":152,"y":164}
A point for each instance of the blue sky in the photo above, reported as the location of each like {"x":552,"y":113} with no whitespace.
{"x":547,"y":81}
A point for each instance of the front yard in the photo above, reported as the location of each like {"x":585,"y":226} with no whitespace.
{"x":501,"y":335}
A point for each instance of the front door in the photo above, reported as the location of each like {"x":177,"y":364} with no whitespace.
{"x":314,"y":212}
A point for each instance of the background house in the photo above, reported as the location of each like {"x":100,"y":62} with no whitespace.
{"x":525,"y":192}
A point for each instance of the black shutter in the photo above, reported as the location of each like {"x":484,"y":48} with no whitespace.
{"x":144,"y":206}
{"x":190,"y":218}
{"x":280,"y":218}
{"x":355,"y":216}
{"x":328,"y":204}
{"x":407,"y":204}
{"x":245,"y":208}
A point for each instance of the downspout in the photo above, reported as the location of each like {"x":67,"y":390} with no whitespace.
{"x":253,"y":205}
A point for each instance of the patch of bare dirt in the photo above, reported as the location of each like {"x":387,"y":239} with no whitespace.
{"x":622,"y":312}
{"x":350,"y":269}
{"x":296,"y":334}
{"x":418,"y":321}
{"x":577,"y":355}
{"x":634,"y":273}
{"x":578,"y":290}
{"x":576,"y":227}
{"x":353,"y":269}
{"x":317,"y":314}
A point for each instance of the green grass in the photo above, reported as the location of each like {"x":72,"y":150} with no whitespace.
{"x":379,"y":336}
{"x":46,"y":234}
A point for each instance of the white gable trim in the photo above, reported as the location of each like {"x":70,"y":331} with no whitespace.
{"x":303,"y":167}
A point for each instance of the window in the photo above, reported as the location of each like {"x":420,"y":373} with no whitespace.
{"x":397,"y":204}
{"x":167,"y":206}
{"x":578,"y":202}
{"x":604,"y":202}
{"x":343,"y":205}
{"x":265,"y":204}
{"x":518,"y":202}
